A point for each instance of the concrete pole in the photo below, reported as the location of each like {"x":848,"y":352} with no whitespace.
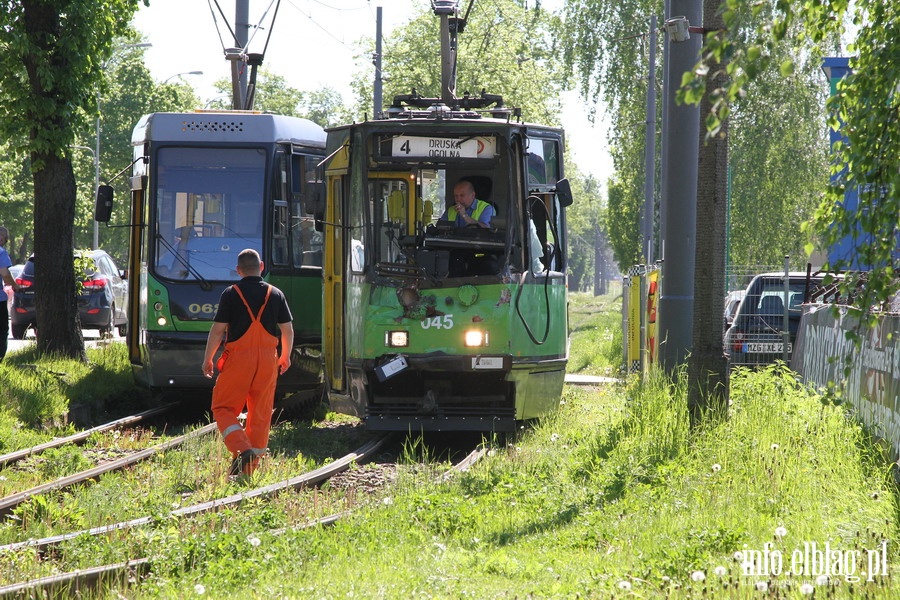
{"x":377,"y":101}
{"x":650,"y":148}
{"x":678,"y":201}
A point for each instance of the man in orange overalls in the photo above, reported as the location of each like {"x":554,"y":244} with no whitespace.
{"x":251,"y":318}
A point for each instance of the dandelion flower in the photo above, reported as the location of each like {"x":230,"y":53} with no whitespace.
{"x":762,"y":586}
{"x":698,"y":576}
{"x":625,"y":585}
{"x":775,"y":447}
{"x":666,"y":578}
{"x":254,"y":541}
{"x":780,"y":532}
{"x":716,"y":468}
{"x":738,"y":556}
{"x":822,"y":580}
{"x":387,"y":501}
{"x":806,"y":589}
{"x":720,"y":571}
{"x":199,"y":589}
{"x":554,"y":437}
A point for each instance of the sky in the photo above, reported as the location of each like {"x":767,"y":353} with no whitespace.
{"x":312,"y":44}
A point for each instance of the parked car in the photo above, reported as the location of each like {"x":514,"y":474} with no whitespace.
{"x":14,"y":271}
{"x":756,"y":335}
{"x":732,"y":302}
{"x":101,"y":302}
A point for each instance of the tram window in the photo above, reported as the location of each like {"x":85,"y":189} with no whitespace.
{"x":306,"y":240}
{"x":432,"y":192}
{"x":206,"y":199}
{"x":388,"y":202}
{"x":542,"y":161}
{"x":279,"y":234}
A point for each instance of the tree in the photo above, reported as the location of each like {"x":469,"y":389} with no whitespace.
{"x":128,"y":92}
{"x":777,"y":134}
{"x":16,"y":191}
{"x":50,"y":69}
{"x":324,"y":106}
{"x":493,"y":55}
{"x":866,"y":108}
{"x":707,"y":365}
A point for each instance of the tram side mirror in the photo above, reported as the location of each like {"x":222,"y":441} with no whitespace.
{"x":564,"y":192}
{"x":104,"y":205}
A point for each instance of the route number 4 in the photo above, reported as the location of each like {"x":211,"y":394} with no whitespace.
{"x":439,"y":322}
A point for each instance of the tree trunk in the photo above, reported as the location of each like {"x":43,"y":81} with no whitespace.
{"x":58,"y":328}
{"x":707,"y":365}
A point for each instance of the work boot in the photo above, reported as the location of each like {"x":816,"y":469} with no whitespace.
{"x":241,"y":462}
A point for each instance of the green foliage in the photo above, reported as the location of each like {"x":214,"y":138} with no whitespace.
{"x":623,"y":217}
{"x":595,"y":325}
{"x":324,"y":106}
{"x":866,"y":107}
{"x":583,"y":223}
{"x":495,"y":54}
{"x":50,"y":68}
{"x":62,"y":46}
{"x":38,"y":390}
{"x":777,"y":140}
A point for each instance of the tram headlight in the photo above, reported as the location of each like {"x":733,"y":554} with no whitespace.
{"x":396,"y":339}
{"x":475,"y":338}
{"x":161,"y":321}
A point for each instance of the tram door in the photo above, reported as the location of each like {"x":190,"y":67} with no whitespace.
{"x":333,"y":271}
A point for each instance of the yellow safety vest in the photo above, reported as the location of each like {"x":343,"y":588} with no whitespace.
{"x":480,"y":205}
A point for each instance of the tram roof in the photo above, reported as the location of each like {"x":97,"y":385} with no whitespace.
{"x":227,"y":126}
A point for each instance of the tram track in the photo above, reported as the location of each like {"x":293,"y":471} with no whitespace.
{"x":93,"y":576}
{"x":77,"y":438}
{"x":10,"y":502}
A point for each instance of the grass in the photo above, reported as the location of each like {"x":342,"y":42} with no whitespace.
{"x":611,"y":496}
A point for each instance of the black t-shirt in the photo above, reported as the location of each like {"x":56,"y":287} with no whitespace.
{"x":233,"y":312}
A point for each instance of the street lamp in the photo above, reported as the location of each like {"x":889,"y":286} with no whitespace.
{"x":97,"y":142}
{"x":180,"y":74}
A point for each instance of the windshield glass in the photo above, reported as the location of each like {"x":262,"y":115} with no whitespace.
{"x":208,"y":208}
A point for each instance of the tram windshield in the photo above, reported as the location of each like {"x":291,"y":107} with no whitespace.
{"x":208,"y":208}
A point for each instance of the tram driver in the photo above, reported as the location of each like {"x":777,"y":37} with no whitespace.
{"x":467,"y":209}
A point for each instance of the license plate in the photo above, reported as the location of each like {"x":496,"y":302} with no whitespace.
{"x":487,"y":362}
{"x":765,"y":348}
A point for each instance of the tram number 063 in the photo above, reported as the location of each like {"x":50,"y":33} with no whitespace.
{"x":439,"y":322}
{"x":203,"y":309}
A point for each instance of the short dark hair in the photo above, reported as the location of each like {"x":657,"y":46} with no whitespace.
{"x":248,"y":259}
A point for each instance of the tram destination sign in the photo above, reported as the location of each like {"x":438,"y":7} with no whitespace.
{"x":408,"y":146}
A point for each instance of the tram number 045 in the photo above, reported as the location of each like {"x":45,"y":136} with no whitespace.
{"x":203,"y":309}
{"x":439,"y":322}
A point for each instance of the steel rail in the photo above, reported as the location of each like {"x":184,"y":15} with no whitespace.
{"x":10,"y":502}
{"x":95,"y":574}
{"x":18,"y":455}
{"x":56,"y":584}
{"x":305,"y":480}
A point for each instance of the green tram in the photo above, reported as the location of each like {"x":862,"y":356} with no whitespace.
{"x":429,"y":326}
{"x":206,"y":185}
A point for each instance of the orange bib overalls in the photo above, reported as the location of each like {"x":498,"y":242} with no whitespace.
{"x":248,"y":371}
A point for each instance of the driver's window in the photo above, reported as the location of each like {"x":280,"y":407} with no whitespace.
{"x":388,"y":199}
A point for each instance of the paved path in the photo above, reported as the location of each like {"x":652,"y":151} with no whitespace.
{"x":574,"y":379}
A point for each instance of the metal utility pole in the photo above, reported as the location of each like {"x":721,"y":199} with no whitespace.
{"x":377,"y":102}
{"x":237,"y":56}
{"x":678,"y":202}
{"x":650,"y":148}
